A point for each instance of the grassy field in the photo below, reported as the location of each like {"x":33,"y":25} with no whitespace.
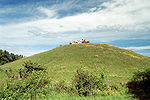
{"x":62,"y":62}
{"x":67,"y":97}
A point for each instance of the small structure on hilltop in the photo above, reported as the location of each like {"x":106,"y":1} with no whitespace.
{"x":79,"y":41}
{"x":75,"y":42}
{"x":85,"y":41}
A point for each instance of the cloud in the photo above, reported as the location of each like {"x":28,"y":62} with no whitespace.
{"x":48,"y":12}
{"x":108,"y":21}
{"x":139,"y":48}
{"x":116,"y":13}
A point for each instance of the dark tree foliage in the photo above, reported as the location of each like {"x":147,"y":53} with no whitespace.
{"x":6,"y":57}
{"x":140,"y":84}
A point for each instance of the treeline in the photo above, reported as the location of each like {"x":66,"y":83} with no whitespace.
{"x":6,"y":57}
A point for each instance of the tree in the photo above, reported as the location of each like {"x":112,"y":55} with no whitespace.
{"x":6,"y":57}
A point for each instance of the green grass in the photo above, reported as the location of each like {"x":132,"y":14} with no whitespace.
{"x":62,"y":62}
{"x":56,"y":96}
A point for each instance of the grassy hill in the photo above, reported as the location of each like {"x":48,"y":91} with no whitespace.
{"x":62,"y":62}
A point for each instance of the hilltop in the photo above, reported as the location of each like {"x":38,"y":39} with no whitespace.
{"x":62,"y":62}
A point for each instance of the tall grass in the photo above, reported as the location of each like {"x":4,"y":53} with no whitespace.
{"x":56,"y":96}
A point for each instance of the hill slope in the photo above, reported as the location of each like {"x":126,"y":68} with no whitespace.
{"x":119,"y":64}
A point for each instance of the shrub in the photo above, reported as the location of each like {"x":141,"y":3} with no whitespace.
{"x":140,"y":84}
{"x":30,"y":84}
{"x":63,"y":87}
{"x":60,"y":86}
{"x":86,"y":84}
{"x":30,"y":66}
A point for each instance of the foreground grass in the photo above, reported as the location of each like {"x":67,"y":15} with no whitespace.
{"x":62,"y":96}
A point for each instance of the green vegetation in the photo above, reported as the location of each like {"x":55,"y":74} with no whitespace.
{"x":6,"y":57}
{"x":30,"y":83}
{"x":56,"y":96}
{"x":139,"y":85}
{"x":105,"y":71}
{"x":63,"y":61}
{"x":88,"y":84}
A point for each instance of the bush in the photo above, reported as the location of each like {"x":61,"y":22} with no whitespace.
{"x":60,"y":86}
{"x":87,"y":84}
{"x":30,"y":84}
{"x":30,"y":66}
{"x":140,"y":84}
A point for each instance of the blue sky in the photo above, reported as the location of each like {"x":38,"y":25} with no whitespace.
{"x":31,"y":26}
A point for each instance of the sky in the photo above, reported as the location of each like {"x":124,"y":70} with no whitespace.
{"x":29,"y":27}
